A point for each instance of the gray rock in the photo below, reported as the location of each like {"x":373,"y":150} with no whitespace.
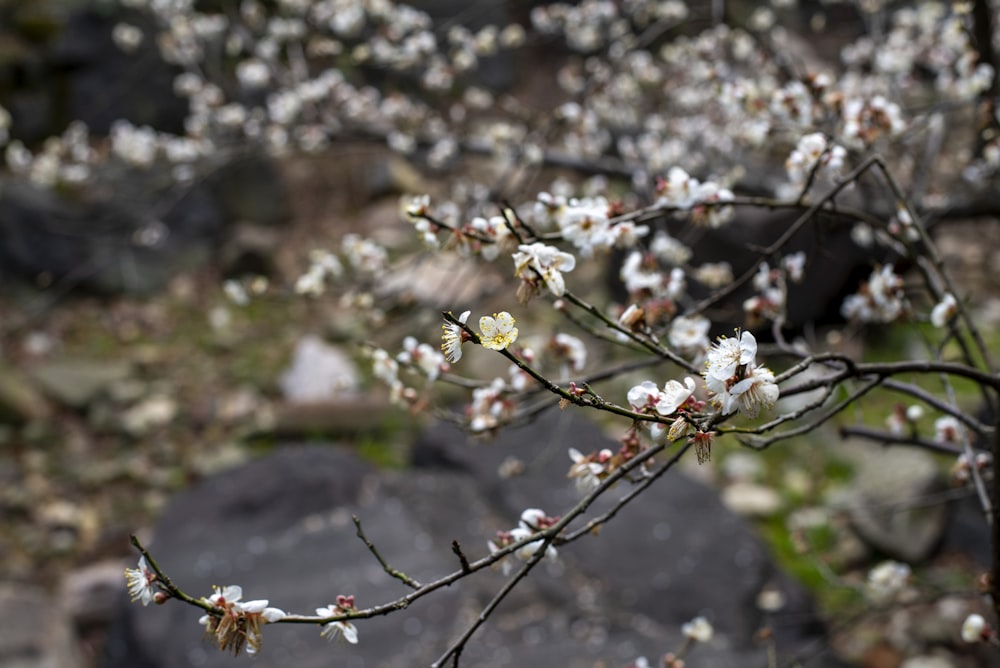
{"x":76,"y":383}
{"x":90,"y":594}
{"x":892,"y":506}
{"x":34,"y":631}
{"x":20,"y":400}
{"x":281,"y":528}
{"x":318,"y":372}
{"x":674,"y":554}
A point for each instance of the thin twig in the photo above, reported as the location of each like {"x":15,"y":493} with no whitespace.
{"x":462,"y":559}
{"x":398,"y":574}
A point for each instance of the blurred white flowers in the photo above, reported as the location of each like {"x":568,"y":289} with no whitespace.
{"x":944,"y":311}
{"x":886,"y":581}
{"x":698,"y":629}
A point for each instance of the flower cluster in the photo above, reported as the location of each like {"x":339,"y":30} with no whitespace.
{"x":532,"y":521}
{"x":683,"y":191}
{"x":588,"y":471}
{"x":423,"y":357}
{"x":490,"y":406}
{"x":497,"y":332}
{"x":540,"y":262}
{"x":586,"y":223}
{"x":815,"y":152}
{"x":236,"y":624}
{"x":647,"y":397}
{"x":771,"y":287}
{"x":961,"y":471}
{"x":880,"y":299}
{"x":734,"y":380}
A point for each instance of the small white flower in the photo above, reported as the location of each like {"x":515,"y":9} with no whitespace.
{"x":944,"y":311}
{"x":548,"y":261}
{"x":417,"y":206}
{"x":127,"y":37}
{"x":528,"y":550}
{"x":253,"y":74}
{"x":974,"y":628}
{"x":535,"y":519}
{"x":643,"y":395}
{"x":453,"y":337}
{"x":880,"y":299}
{"x":887,"y":580}
{"x":498,"y":332}
{"x":343,"y":628}
{"x":714,"y":274}
{"x":794,"y":265}
{"x":698,"y":630}
{"x":689,"y":335}
{"x":423,"y":356}
{"x":674,"y":395}
{"x":333,"y":630}
{"x":758,"y":390}
{"x":632,"y":318}
{"x":948,"y":430}
{"x":728,"y":354}
{"x":384,"y":367}
{"x":141,"y":582}
{"x":570,"y":349}
{"x":588,"y":470}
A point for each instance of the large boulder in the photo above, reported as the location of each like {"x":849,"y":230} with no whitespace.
{"x":281,"y":528}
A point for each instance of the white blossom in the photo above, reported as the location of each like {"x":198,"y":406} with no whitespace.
{"x":673,"y":396}
{"x":453,"y":337}
{"x":974,"y":628}
{"x":498,"y":331}
{"x":887,"y":580}
{"x":548,"y":262}
{"x":698,"y":629}
{"x":944,"y":311}
{"x":141,"y":582}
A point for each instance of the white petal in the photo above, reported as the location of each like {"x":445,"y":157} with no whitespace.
{"x":273,"y":614}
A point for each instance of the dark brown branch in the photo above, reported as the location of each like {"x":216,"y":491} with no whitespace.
{"x":462,"y":559}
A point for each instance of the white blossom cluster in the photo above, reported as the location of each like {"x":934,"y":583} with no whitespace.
{"x":532,"y":521}
{"x":681,"y":190}
{"x":649,"y":102}
{"x":735,"y":381}
{"x":880,"y":299}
